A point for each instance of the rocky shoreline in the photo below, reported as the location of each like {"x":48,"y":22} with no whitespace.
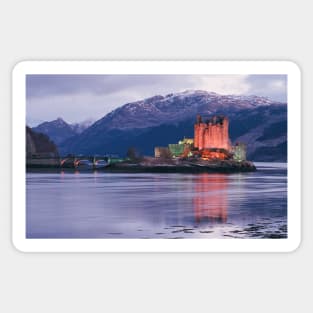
{"x":154,"y":165}
{"x":182,"y":166}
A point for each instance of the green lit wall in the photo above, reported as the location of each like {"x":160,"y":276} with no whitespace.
{"x":176,"y":149}
{"x":240,"y":152}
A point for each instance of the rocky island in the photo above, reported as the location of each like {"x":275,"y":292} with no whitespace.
{"x":153,"y":165}
{"x":209,"y":151}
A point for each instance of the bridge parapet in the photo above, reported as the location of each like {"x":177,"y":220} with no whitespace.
{"x":72,"y":161}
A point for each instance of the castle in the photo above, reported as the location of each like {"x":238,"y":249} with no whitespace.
{"x":212,"y":133}
{"x":211,"y":141}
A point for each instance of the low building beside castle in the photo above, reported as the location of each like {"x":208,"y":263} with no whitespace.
{"x":160,"y":152}
{"x":239,"y":152}
{"x":182,"y":148}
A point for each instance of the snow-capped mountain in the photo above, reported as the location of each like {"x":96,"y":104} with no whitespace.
{"x":160,"y":120}
{"x":78,"y":128}
{"x":58,"y":130}
{"x":175,"y":107}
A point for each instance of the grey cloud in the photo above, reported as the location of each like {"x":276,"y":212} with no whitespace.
{"x":271,"y":86}
{"x":51,"y":85}
{"x":77,"y":97}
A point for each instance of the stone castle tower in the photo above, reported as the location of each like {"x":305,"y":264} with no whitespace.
{"x":212,"y":133}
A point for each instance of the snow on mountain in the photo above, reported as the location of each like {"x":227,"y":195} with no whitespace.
{"x":175,"y":107}
{"x":57,"y":130}
{"x":78,"y":128}
{"x":160,"y":120}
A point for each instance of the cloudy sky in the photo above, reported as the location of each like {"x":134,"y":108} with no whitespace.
{"x":76,"y":98}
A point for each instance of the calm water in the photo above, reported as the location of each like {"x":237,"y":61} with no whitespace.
{"x":111,"y":205}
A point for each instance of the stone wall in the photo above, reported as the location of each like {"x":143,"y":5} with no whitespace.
{"x":212,"y":133}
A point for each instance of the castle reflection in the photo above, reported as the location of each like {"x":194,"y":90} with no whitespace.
{"x":210,"y":201}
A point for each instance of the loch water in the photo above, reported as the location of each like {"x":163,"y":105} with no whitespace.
{"x":99,"y":204}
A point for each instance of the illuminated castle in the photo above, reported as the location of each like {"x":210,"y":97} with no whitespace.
{"x":212,"y":134}
{"x":211,"y":142}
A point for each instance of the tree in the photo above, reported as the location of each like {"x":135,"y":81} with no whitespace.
{"x":133,"y":154}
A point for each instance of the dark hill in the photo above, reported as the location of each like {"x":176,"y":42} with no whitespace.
{"x":58,"y":130}
{"x":158,"y":121}
{"x":39,"y":144}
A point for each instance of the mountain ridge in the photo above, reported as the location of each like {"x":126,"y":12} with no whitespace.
{"x":161,"y":108}
{"x":58,"y":130}
{"x":142,"y":123}
{"x":159,"y":120}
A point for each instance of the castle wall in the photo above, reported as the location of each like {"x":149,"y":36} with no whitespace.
{"x":201,"y":130}
{"x":212,"y":134}
{"x":196,"y":135}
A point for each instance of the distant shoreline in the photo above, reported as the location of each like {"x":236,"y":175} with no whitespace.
{"x":163,"y":167}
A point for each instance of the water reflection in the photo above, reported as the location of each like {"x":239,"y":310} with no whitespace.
{"x":210,"y":201}
{"x":105,"y":205}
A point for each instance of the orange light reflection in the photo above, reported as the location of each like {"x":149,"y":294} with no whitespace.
{"x":210,"y":201}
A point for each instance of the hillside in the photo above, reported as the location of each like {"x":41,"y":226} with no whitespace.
{"x":59,"y":130}
{"x":161,"y":120}
{"x":39,"y":144}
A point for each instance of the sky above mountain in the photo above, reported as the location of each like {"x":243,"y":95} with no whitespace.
{"x":79,"y":97}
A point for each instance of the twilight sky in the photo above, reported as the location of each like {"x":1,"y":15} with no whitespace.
{"x":76,"y":98}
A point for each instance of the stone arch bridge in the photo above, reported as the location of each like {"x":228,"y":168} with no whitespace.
{"x":72,"y":161}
